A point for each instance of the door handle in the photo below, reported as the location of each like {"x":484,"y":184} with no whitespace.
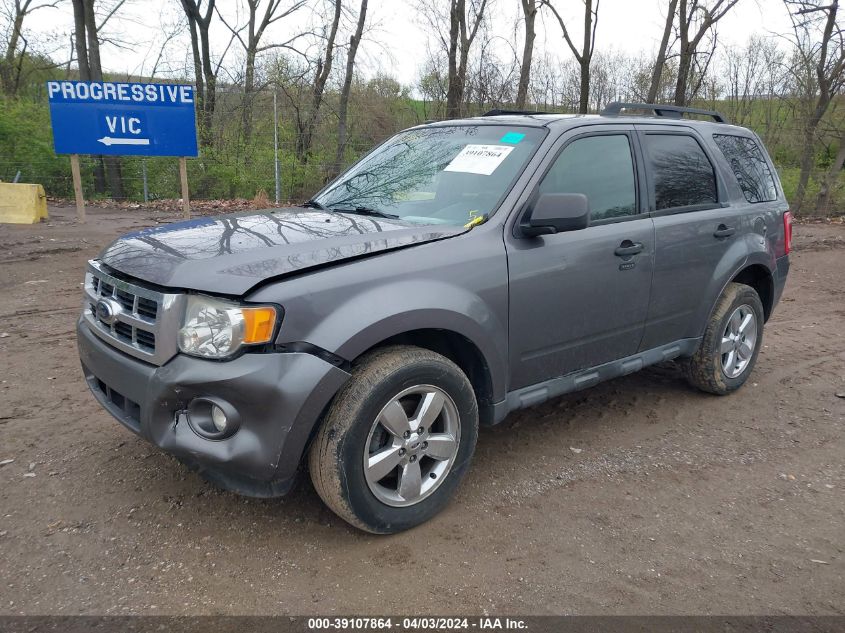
{"x":628,"y":248}
{"x":724,"y":231}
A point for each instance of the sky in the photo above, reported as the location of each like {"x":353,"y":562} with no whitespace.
{"x":397,"y":41}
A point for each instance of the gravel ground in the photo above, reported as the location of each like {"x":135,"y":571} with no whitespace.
{"x":639,"y":496}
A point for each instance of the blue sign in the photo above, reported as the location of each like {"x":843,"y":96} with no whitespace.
{"x":102,"y":117}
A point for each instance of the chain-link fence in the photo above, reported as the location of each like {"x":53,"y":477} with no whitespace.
{"x":232,"y":165}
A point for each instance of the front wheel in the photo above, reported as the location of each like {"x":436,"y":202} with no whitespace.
{"x":731,"y":342}
{"x":396,"y":441}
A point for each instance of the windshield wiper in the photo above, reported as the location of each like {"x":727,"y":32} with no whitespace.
{"x":313,"y":204}
{"x":366,"y":211}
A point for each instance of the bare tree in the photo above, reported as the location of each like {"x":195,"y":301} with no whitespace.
{"x":696,"y":19}
{"x":321,"y":76}
{"x":343,"y":106}
{"x":15,"y":12}
{"x":821,"y":63}
{"x":662,"y":51}
{"x":463,"y":29}
{"x":205,"y":76}
{"x":490,"y":78}
{"x":256,"y":25}
{"x":529,"y":12}
{"x":87,"y":40}
{"x":754,"y":79}
{"x":585,"y":55}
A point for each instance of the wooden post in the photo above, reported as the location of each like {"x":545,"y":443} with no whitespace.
{"x":77,"y":188}
{"x":183,"y":175}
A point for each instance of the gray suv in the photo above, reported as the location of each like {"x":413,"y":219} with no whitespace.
{"x":460,"y":271}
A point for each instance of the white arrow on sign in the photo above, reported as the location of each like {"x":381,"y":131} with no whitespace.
{"x":108,"y":140}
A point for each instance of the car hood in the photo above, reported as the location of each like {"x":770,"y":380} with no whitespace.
{"x":232,"y":253}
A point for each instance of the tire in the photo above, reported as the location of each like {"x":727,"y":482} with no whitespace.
{"x":344,"y":456}
{"x":712,"y":368}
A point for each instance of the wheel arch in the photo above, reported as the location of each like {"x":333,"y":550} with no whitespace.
{"x":458,"y":348}
{"x":760,"y":278}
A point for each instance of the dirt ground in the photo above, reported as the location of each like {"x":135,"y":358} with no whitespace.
{"x":640,"y":496}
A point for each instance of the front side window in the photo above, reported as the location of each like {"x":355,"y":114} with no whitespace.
{"x":601,"y":168}
{"x":749,"y":166}
{"x":682,"y":175}
{"x":436,"y":175}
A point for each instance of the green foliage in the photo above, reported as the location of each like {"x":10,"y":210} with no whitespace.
{"x":26,"y":144}
{"x":378,"y":108}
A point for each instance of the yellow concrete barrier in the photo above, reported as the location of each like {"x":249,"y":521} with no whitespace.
{"x":22,"y":203}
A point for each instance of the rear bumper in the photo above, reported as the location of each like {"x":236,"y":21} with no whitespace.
{"x":780,"y":277}
{"x":279,"y":397}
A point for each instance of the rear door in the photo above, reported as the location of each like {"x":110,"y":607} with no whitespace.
{"x":576,"y":299}
{"x":695,"y":228}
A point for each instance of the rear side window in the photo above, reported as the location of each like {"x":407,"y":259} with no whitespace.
{"x":682,"y":175}
{"x":749,"y":166}
{"x":602,"y":169}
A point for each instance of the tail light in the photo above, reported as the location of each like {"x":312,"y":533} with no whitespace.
{"x":787,"y":232}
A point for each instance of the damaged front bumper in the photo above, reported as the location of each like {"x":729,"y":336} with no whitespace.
{"x":279,"y":398}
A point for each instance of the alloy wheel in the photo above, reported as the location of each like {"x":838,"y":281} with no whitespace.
{"x":412,"y":445}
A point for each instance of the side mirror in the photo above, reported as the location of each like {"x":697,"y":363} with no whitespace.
{"x":556,"y":213}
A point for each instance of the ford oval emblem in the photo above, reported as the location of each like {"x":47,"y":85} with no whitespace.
{"x":108,"y":311}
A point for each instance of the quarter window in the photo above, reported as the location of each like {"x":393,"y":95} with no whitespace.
{"x":681,"y":172}
{"x":601,"y":168}
{"x":749,"y":166}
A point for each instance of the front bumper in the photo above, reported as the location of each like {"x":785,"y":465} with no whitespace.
{"x":279,"y":397}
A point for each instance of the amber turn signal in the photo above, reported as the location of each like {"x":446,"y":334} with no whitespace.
{"x":258,"y":324}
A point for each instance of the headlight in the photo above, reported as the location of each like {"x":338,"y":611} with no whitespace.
{"x":214,"y":328}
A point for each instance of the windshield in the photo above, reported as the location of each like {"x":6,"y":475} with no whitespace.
{"x":436,"y":175}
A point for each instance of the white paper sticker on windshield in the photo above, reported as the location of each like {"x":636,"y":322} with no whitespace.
{"x":479,"y":159}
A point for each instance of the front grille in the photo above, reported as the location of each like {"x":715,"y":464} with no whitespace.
{"x":146,"y":339}
{"x":125,"y":299}
{"x":147,"y":308}
{"x":133,"y":315}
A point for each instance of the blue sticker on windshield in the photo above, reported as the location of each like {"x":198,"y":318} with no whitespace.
{"x":512,"y":137}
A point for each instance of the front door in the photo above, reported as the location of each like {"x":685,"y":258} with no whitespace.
{"x":579,"y":299}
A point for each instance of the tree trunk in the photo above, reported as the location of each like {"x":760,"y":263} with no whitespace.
{"x":199,"y":83}
{"x":685,"y":58}
{"x":529,"y":9}
{"x":454,"y":92}
{"x":93,"y":41}
{"x":684,"y":66}
{"x":249,"y":88}
{"x":111,"y":164}
{"x":829,"y":183}
{"x":204,"y":76}
{"x":343,"y":106}
{"x":687,"y":11}
{"x":660,"y":61}
{"x":461,"y":82}
{"x":81,"y":46}
{"x":210,"y":96}
{"x":7,"y":80}
{"x":322,"y":76}
{"x":808,"y":155}
{"x":461,"y":37}
{"x":584,"y":56}
{"x":584,"y":91}
{"x":79,"y":40}
{"x":586,"y":59}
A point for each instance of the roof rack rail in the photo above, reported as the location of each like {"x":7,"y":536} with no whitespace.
{"x":498,"y":112}
{"x":659,"y":109}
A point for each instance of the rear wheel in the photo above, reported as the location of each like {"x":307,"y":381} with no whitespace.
{"x":396,"y":440}
{"x":731,"y":342}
